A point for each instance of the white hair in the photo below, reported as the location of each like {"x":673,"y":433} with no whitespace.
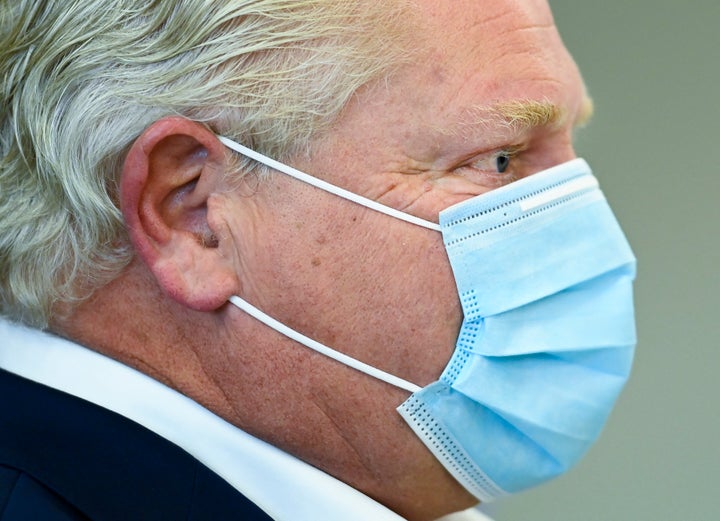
{"x":80,"y":80}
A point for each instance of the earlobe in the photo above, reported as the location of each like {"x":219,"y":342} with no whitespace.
{"x":170,"y":173}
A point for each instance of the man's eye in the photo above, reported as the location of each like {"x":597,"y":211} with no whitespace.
{"x":493,"y":169}
{"x":495,"y":163}
{"x":502,"y":162}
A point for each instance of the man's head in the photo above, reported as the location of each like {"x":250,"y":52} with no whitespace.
{"x":113,"y":171}
{"x":81,"y":80}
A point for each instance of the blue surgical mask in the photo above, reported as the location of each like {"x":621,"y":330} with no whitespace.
{"x":544,"y":276}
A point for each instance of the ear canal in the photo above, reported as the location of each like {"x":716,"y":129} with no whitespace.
{"x":208,"y":240}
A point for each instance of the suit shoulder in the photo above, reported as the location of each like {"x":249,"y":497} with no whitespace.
{"x":22,"y":497}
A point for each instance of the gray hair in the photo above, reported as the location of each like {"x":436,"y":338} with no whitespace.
{"x":81,"y":79}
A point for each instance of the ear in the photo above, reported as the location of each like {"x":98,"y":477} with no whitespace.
{"x":169,"y":175}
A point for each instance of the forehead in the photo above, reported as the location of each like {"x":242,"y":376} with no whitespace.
{"x":478,"y":75}
{"x":489,"y":60}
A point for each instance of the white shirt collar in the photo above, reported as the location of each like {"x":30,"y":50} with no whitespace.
{"x":280,"y":484}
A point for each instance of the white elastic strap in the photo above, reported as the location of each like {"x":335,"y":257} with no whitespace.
{"x":320,"y":348}
{"x":323,"y":185}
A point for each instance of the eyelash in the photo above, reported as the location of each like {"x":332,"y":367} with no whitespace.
{"x":505,"y":155}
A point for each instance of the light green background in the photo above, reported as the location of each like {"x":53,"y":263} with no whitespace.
{"x":653,"y":69}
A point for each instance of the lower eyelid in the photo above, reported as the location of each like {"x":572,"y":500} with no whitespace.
{"x":487,"y":179}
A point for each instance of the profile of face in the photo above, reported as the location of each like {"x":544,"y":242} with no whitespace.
{"x":494,"y":98}
{"x":491,"y":96}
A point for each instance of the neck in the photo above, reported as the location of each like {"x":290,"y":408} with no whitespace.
{"x":271,"y":387}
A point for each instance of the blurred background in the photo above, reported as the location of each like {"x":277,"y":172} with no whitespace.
{"x":653,"y":69}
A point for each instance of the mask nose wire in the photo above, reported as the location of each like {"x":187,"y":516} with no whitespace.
{"x":291,"y":333}
{"x":323,"y":185}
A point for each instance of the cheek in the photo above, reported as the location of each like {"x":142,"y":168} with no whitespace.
{"x":397,"y":299}
{"x":370,"y":286}
{"x":430,"y":316}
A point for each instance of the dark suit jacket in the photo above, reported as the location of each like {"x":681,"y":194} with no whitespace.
{"x":62,"y":459}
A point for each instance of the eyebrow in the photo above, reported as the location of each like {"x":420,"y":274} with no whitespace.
{"x":524,"y":115}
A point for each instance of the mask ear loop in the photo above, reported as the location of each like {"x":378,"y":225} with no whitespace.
{"x":345,"y":194}
{"x":323,"y":349}
{"x":324,"y":185}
